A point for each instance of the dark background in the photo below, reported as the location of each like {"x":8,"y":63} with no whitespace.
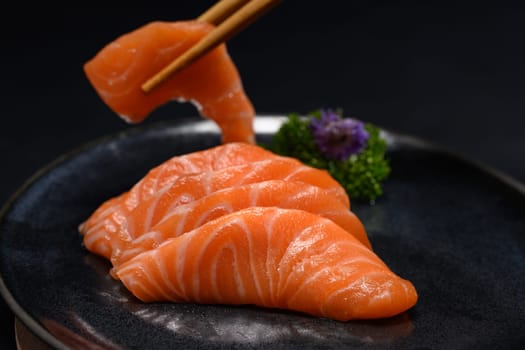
{"x":450,"y":73}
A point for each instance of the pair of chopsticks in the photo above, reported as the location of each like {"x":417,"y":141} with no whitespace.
{"x":228,"y":23}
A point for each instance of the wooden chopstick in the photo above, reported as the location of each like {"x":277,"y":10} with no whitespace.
{"x":220,"y":11}
{"x":227,"y":29}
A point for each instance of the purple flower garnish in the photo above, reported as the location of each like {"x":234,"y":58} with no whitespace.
{"x":338,"y":138}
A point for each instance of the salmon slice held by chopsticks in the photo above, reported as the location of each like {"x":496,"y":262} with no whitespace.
{"x":212,"y":83}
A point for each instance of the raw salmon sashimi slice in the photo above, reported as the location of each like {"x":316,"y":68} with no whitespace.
{"x":212,"y":83}
{"x":214,"y":158}
{"x":271,"y":257}
{"x":277,"y":193}
{"x":114,"y":231}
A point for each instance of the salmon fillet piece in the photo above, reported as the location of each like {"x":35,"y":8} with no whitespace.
{"x":212,"y":83}
{"x":114,"y":231}
{"x":214,"y":158}
{"x":275,"y":258}
{"x":277,"y":193}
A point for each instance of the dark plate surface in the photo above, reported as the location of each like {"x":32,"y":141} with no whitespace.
{"x":453,"y":227}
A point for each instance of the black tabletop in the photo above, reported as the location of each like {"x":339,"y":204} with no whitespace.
{"x":449,"y":73}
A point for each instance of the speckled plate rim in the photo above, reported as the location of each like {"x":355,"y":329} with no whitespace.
{"x":264,"y":124}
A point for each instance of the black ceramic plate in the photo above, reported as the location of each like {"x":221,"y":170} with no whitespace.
{"x":454,"y":228}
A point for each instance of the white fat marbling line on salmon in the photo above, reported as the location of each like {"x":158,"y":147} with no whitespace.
{"x":221,"y":208}
{"x":181,"y":199}
{"x":383,"y":296}
{"x":168,"y":51}
{"x":130,"y":276}
{"x":171,"y":171}
{"x":253,"y":270}
{"x":129,"y":84}
{"x":102,"y":237}
{"x":214,"y":277}
{"x":248,"y":236}
{"x":103,"y":232}
{"x":364,"y":285}
{"x":178,"y":194}
{"x":125,"y":225}
{"x":147,"y":219}
{"x":151,"y":239}
{"x":92,"y":236}
{"x":122,"y":79}
{"x":109,"y":238}
{"x":296,"y":173}
{"x":99,"y":244}
{"x":179,"y":211}
{"x":254,"y":192}
{"x":140,"y":192}
{"x":169,"y":287}
{"x":348,"y":265}
{"x":179,"y":229}
{"x":96,"y":219}
{"x":142,"y":273}
{"x":101,"y":229}
{"x":302,"y":194}
{"x":336,"y":190}
{"x":250,"y":170}
{"x":129,"y":201}
{"x":271,"y":265}
{"x":334,"y":212}
{"x":301,"y":241}
{"x":241,"y":291}
{"x":154,"y":276}
{"x":180,"y":260}
{"x":239,"y":285}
